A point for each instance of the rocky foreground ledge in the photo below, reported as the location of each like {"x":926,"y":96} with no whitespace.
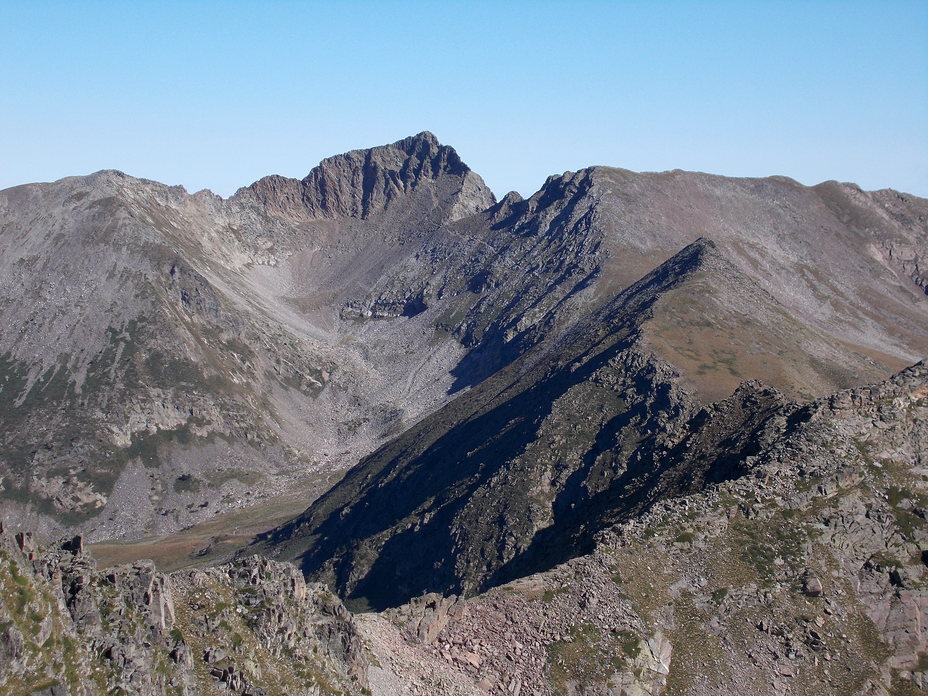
{"x":254,"y":627}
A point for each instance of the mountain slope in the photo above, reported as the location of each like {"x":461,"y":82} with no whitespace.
{"x":520,"y":473}
{"x":807,"y":575}
{"x":527,"y":267}
{"x":158,"y":362}
{"x":598,"y":414}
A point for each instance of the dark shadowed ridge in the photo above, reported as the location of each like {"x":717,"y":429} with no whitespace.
{"x":519,"y":474}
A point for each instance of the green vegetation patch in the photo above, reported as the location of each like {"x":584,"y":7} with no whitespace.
{"x":551,"y":593}
{"x":588,"y":658}
{"x":186,"y":483}
{"x":771,"y":547}
{"x":20,"y":589}
{"x":903,"y":500}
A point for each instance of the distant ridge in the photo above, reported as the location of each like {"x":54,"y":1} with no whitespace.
{"x":292,"y":329}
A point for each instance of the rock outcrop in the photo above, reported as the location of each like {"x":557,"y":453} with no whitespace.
{"x":253,"y":627}
{"x":364,"y":183}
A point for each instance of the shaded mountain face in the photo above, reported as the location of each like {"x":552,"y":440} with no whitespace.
{"x":522,"y":471}
{"x":166,"y":355}
{"x":805,"y":575}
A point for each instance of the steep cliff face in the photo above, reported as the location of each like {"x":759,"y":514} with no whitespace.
{"x":416,"y":172}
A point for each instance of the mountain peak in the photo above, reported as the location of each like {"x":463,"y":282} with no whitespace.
{"x":361,"y":183}
{"x":701,"y":254}
{"x":413,"y":141}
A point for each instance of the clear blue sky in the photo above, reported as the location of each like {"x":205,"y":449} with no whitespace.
{"x":217,"y":94}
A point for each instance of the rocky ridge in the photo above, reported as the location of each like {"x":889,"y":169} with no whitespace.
{"x":804,"y":575}
{"x":169,"y":356}
{"x":527,"y":268}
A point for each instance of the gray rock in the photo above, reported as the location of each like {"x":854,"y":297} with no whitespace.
{"x":811,"y":584}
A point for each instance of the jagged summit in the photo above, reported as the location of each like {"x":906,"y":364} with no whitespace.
{"x":362,"y":183}
{"x":425,"y":139}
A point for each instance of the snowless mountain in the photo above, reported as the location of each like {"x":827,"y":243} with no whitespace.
{"x":619,"y":429}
